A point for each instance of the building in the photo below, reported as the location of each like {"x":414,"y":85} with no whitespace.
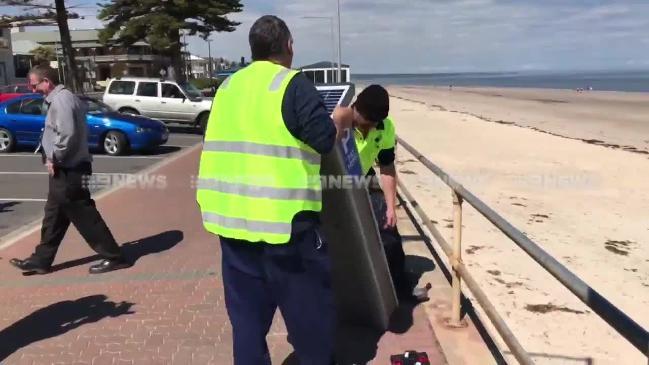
{"x":98,"y":61}
{"x":7,"y":73}
{"x":326,"y":72}
{"x":199,"y":67}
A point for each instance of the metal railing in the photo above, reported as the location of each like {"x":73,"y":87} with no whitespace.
{"x":623,"y":324}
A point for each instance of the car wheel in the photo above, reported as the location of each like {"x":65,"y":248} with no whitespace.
{"x":115,"y":143}
{"x":129,"y":111}
{"x":6,"y":141}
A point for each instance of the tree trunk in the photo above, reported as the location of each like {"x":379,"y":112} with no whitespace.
{"x":72,"y":77}
{"x":177,"y":59}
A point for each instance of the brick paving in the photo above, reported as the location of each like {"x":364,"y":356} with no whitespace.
{"x":167,"y":309}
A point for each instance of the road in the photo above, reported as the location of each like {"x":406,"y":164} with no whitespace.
{"x":23,"y":180}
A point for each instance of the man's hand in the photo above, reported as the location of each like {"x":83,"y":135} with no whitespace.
{"x":50,"y":167}
{"x":343,"y":118}
{"x":390,"y":218}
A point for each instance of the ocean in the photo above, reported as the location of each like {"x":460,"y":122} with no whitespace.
{"x":637,"y":81}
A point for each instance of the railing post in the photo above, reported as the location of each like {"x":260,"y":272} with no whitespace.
{"x":455,"y":319}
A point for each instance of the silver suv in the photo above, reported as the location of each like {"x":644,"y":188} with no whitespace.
{"x":166,"y":100}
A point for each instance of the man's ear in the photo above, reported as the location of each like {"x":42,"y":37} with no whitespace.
{"x":289,"y":47}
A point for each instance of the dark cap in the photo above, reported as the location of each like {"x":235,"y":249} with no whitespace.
{"x":373,"y":103}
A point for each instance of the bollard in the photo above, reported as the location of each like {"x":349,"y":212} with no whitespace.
{"x":455,"y":319}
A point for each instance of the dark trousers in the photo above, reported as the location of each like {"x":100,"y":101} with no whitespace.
{"x":392,"y":245}
{"x":258,"y":278}
{"x":68,"y":201}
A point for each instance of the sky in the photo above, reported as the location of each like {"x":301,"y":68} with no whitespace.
{"x":421,"y":36}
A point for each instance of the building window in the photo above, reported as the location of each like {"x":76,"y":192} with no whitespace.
{"x":147,"y":89}
{"x":316,"y":77}
{"x":21,"y":65}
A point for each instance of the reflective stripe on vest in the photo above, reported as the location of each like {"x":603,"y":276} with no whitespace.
{"x":246,"y":224}
{"x":258,"y":191}
{"x":262,"y":149}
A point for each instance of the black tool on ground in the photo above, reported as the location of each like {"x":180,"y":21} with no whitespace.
{"x":360,"y":276}
{"x":410,"y":357}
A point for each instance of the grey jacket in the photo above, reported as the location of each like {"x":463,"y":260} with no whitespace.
{"x":65,"y":137}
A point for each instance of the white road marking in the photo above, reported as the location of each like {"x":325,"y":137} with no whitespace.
{"x":21,"y":200}
{"x":27,"y":229}
{"x":45,"y":173}
{"x":157,"y":157}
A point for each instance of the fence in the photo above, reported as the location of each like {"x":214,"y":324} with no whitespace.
{"x":618,"y":320}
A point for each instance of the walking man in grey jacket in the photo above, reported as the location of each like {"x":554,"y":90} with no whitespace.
{"x":69,"y":164}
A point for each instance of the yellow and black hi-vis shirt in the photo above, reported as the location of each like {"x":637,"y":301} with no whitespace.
{"x":378,"y":146}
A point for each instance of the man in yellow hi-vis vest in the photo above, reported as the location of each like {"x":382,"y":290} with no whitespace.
{"x":375,"y":137}
{"x":259,"y":190}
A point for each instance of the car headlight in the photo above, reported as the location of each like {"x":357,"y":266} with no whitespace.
{"x":143,"y":130}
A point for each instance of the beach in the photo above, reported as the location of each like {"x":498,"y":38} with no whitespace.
{"x":569,"y":169}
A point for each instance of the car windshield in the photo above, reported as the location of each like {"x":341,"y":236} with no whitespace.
{"x":96,"y":107}
{"x":190,"y":90}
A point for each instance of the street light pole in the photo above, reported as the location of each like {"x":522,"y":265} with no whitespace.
{"x":339,"y":45}
{"x":331,"y":23}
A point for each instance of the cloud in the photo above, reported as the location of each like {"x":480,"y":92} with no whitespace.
{"x":449,"y":35}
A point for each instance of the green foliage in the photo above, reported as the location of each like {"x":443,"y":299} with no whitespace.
{"x":30,"y":13}
{"x":159,"y":22}
{"x":205,"y":83}
{"x":43,"y":54}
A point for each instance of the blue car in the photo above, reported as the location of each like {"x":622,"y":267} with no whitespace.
{"x":22,"y":119}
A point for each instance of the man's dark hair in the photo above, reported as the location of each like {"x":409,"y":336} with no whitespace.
{"x":45,"y":72}
{"x":373,"y":103}
{"x":268,"y":37}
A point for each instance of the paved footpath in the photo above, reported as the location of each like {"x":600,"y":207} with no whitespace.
{"x":167,"y":309}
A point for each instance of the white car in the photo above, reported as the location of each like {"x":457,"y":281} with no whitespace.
{"x":166,"y":100}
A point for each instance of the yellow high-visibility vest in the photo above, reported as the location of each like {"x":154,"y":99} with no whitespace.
{"x":254,"y":176}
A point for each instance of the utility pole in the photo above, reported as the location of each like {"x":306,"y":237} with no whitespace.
{"x":339,"y":46}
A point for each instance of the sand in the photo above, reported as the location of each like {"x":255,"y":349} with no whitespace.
{"x":585,"y":204}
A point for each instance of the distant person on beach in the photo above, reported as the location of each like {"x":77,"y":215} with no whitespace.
{"x":375,"y":137}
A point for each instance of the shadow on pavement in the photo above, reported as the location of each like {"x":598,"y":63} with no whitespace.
{"x":133,"y":250}
{"x":57,"y":319}
{"x":161,"y":150}
{"x":184,"y":129}
{"x":4,"y":206}
{"x":358,"y":345}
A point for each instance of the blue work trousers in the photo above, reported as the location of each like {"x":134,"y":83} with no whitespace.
{"x":296,"y":277}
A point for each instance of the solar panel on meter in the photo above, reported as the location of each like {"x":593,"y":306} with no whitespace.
{"x":335,"y":94}
{"x":361,"y":279}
